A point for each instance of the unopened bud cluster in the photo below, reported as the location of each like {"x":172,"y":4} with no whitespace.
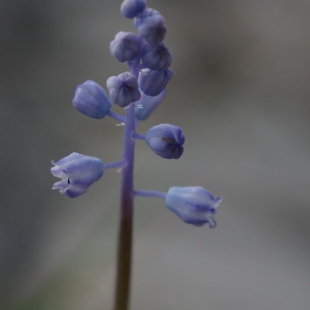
{"x":143,"y":87}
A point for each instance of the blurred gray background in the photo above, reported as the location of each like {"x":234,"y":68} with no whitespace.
{"x":241,"y":93}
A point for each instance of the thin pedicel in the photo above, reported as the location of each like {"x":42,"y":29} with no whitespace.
{"x":139,"y":91}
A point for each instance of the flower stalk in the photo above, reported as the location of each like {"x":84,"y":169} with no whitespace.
{"x":123,"y":276}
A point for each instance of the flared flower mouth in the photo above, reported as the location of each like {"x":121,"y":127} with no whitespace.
{"x":77,"y":172}
{"x":193,"y":204}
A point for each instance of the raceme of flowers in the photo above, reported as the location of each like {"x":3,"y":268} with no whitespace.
{"x":139,"y":91}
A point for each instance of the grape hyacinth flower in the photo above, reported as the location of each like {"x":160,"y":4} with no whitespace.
{"x":156,"y":56}
{"x":193,"y":204}
{"x":166,"y":140}
{"x":77,"y":172}
{"x":123,"y":89}
{"x":139,"y":91}
{"x":153,"y":82}
{"x":151,"y":25}
{"x":92,"y":100}
{"x":126,"y":46}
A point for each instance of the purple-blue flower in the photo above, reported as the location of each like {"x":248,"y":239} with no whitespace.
{"x":153,"y":82}
{"x":166,"y":140}
{"x":126,"y":46}
{"x":147,"y":104}
{"x":156,"y":56}
{"x":130,"y":8}
{"x":194,"y":204}
{"x":147,"y":13}
{"x":91,"y":99}
{"x":123,"y":89}
{"x":77,"y":173}
{"x":151,"y":25}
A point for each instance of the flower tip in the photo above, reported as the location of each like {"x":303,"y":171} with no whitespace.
{"x":212,"y":223}
{"x":217,"y":201}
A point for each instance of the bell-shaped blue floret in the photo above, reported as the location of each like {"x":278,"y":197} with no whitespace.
{"x":77,"y":172}
{"x":151,"y":26}
{"x":147,"y":104}
{"x":126,"y":46}
{"x":166,"y":140}
{"x":130,"y":8}
{"x":156,"y":56}
{"x":91,"y":99}
{"x":153,"y":82}
{"x":123,"y":89}
{"x":194,"y":204}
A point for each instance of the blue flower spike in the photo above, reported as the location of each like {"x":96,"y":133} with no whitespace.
{"x":166,"y":140}
{"x":126,"y":46}
{"x":77,"y":172}
{"x":153,"y":82}
{"x":193,"y":204}
{"x":92,"y":100}
{"x":123,"y":89}
{"x":140,"y":91}
{"x":131,"y":8}
{"x":147,"y":105}
{"x":156,"y":56}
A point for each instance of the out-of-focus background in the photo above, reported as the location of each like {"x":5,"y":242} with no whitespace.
{"x":241,"y":93}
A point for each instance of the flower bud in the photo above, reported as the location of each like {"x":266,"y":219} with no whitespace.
{"x":130,"y":8}
{"x":140,"y":18}
{"x":91,"y":99}
{"x":166,"y":140}
{"x":126,"y":46}
{"x":77,"y":172}
{"x":147,"y":104}
{"x":156,"y":56}
{"x":153,"y":82}
{"x":123,"y":89}
{"x":151,"y":25}
{"x":193,"y":204}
